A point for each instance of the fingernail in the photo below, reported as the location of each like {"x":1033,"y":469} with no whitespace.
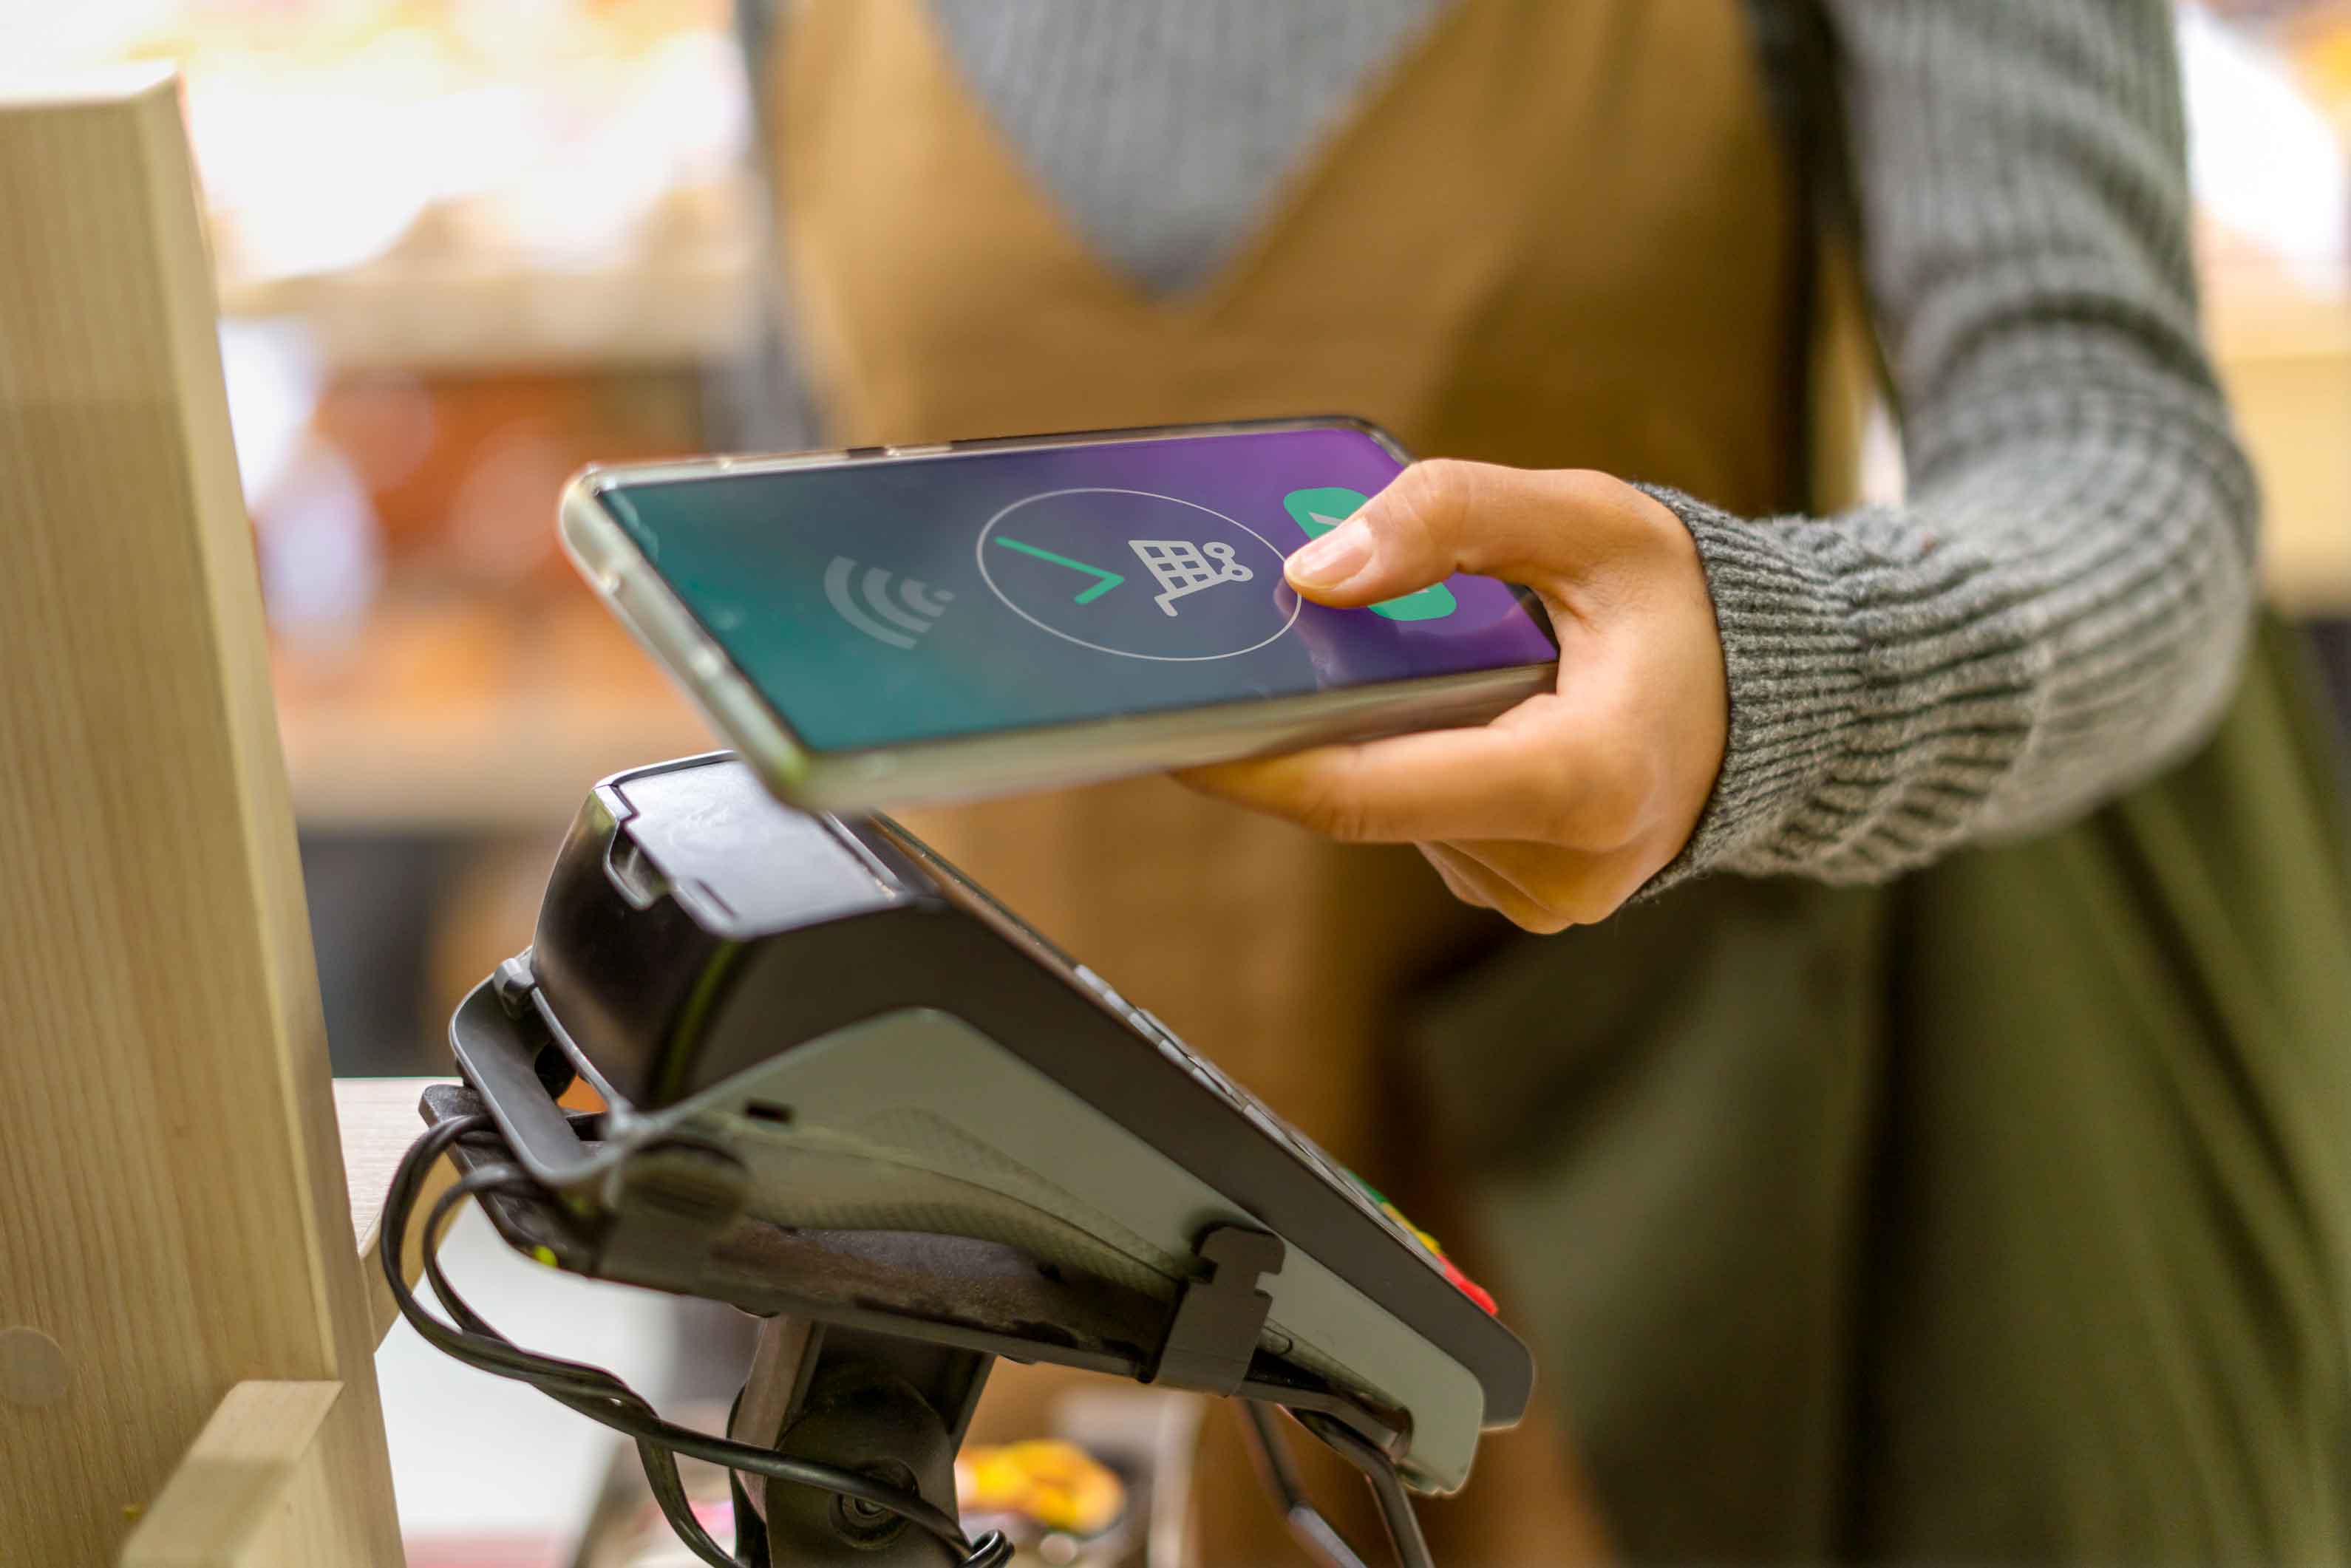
{"x":1333,"y":559}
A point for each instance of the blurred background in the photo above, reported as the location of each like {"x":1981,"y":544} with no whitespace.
{"x":517,"y":236}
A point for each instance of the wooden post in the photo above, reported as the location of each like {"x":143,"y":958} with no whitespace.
{"x":172,"y":1213}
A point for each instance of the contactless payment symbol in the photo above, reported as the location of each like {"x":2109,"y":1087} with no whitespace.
{"x":1325,"y":507}
{"x":897,"y":616}
{"x":1137,"y":574}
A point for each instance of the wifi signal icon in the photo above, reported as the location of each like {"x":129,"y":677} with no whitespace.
{"x":897,"y":618}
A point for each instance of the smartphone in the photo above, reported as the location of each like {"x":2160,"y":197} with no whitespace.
{"x":887,"y":626}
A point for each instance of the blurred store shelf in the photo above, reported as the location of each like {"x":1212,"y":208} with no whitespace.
{"x":463,"y":718}
{"x":459,"y":315}
{"x":449,"y":299}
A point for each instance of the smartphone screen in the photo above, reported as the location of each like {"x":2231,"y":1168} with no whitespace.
{"x":884,"y":603}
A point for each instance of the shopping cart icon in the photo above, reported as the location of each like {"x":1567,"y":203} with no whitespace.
{"x":1182,"y":567}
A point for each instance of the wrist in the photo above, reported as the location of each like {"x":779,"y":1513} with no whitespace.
{"x":1793,"y":669}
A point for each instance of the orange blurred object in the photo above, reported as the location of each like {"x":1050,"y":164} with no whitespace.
{"x":1059,"y":1485}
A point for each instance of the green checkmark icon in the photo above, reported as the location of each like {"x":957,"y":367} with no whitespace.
{"x":1108,"y":579}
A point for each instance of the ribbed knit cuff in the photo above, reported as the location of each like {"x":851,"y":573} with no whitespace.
{"x":1793,"y":662}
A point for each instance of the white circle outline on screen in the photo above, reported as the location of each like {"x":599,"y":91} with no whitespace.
{"x":979,"y":554}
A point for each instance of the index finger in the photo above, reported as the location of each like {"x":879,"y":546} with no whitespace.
{"x":1494,"y":781}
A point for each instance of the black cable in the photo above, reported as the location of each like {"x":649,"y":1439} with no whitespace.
{"x":587,"y":1394}
{"x":1388,"y":1487}
{"x":587,"y":1390}
{"x":597,"y":1393}
{"x":604,"y":1398}
{"x":600,"y":1396}
{"x":1317,"y":1534}
{"x":1306,"y":1522}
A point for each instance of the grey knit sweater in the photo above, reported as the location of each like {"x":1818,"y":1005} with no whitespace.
{"x":2060,"y":605}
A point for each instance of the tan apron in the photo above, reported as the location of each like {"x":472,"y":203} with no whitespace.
{"x":1735,"y":1138}
{"x":1618,"y":313}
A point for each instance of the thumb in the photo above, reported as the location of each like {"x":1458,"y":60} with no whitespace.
{"x":1437,"y":518}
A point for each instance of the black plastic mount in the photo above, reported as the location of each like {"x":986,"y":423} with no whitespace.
{"x":949,"y":1290}
{"x":1219,"y":1317}
{"x":885,"y":1405}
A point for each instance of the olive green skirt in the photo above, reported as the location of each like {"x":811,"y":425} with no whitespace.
{"x":1998,"y":1215}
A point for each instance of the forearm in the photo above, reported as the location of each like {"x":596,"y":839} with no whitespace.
{"x":2058,"y":608}
{"x":1910,"y":679}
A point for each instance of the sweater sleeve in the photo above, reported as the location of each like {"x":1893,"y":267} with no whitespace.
{"x":2060,"y":605}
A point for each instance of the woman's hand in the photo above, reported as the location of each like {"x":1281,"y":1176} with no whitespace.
{"x":1559,"y":810}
